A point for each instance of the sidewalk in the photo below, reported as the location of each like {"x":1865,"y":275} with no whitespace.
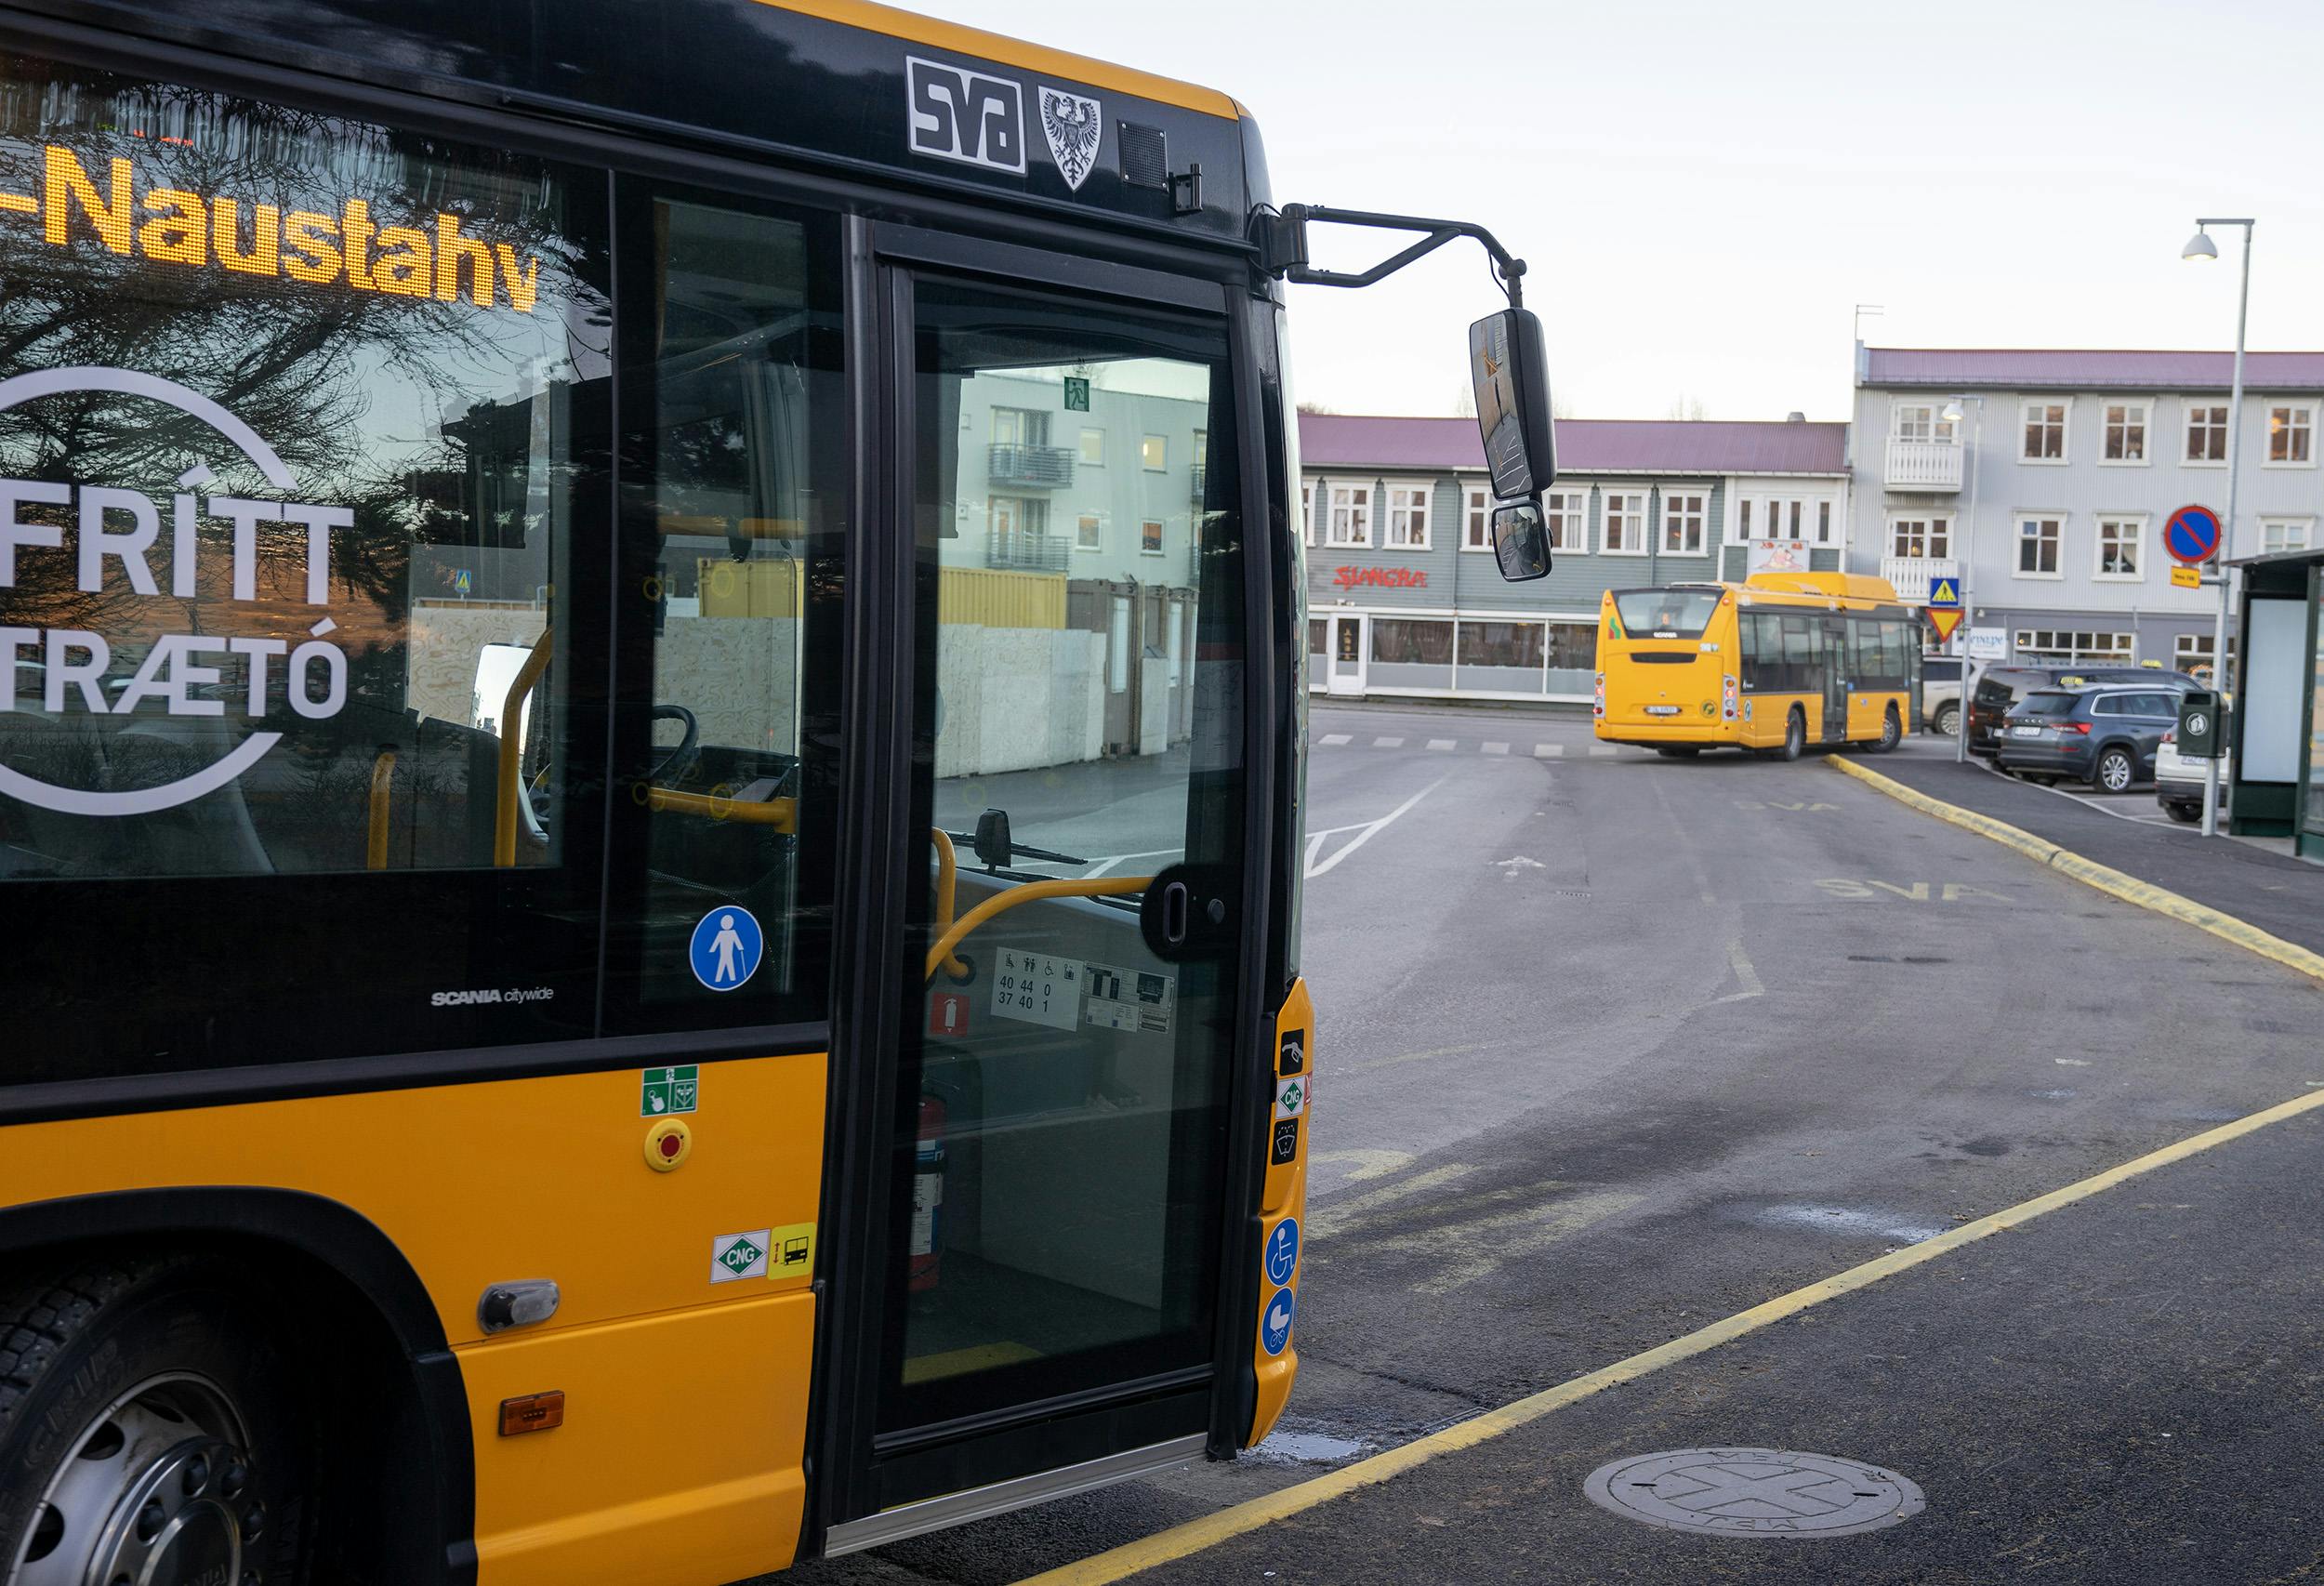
{"x":2122,"y":1390}
{"x":2281,"y":896}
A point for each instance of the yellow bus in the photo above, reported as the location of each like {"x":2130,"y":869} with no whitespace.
{"x":1771,"y":665}
{"x":649,"y":784}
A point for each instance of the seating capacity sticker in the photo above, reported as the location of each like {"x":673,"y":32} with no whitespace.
{"x":1039,"y":989}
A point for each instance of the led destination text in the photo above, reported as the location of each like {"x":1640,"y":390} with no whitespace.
{"x":171,"y":226}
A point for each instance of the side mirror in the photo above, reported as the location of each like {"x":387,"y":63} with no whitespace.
{"x":1511,"y":373}
{"x":1520,"y":541}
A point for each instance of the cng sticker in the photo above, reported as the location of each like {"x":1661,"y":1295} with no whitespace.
{"x":1292,"y":1097}
{"x":734,"y":1255}
{"x":1275,"y":1325}
{"x":666,"y":1090}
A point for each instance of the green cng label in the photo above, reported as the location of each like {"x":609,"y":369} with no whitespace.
{"x":739,"y":1255}
{"x":667,"y":1090}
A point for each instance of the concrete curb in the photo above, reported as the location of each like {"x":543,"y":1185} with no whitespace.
{"x":2130,"y":888}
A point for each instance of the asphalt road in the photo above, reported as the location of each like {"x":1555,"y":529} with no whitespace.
{"x":1611,"y":1045}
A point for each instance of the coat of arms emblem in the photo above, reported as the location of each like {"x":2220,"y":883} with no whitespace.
{"x":1074,"y":131}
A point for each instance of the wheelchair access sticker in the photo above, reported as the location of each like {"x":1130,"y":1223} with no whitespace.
{"x":726,"y":948}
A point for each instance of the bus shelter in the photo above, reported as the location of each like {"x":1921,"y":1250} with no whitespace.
{"x":2278,"y":721}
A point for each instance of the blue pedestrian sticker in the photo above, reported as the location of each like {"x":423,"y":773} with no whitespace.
{"x":1274,"y":1327}
{"x":1283,"y":1251}
{"x":726,"y":947}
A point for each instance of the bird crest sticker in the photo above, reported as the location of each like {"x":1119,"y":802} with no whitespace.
{"x":1074,"y":131}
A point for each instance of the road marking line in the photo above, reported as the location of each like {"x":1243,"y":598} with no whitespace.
{"x":1387,"y":743}
{"x":1602,"y":751}
{"x":2130,"y":888}
{"x":1371,"y":831}
{"x":1193,"y":1535}
{"x":1548,"y":751}
{"x":1744,"y":974}
{"x":1339,"y":1213}
{"x":1492,"y":748}
{"x":1370,"y":1164}
{"x":1333,"y":740}
{"x":1440,"y":742}
{"x":1370,"y":1063}
{"x":1474,"y":1251}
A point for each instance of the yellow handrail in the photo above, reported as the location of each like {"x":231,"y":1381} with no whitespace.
{"x":382,"y":790}
{"x":512,"y":749}
{"x":1025,"y":892}
{"x":948,"y":894}
{"x":780,"y":813}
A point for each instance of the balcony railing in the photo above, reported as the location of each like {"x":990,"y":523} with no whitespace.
{"x":1922,"y":465}
{"x":1030,"y":467}
{"x":1018,"y":550}
{"x":1911,"y":575}
{"x":1202,"y":479}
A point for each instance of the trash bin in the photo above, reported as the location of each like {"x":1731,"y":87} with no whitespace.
{"x":2201,"y":735}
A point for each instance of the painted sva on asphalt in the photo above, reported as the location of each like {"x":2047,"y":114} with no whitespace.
{"x":1753,"y":1492}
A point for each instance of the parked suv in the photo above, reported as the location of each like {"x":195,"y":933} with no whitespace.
{"x":2000,"y":688}
{"x":2106,"y":736}
{"x":1940,"y":694}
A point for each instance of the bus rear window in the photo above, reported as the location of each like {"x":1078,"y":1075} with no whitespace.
{"x":1666,"y":613}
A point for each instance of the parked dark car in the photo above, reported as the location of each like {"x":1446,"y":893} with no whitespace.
{"x":2106,"y":736}
{"x":2000,"y":688}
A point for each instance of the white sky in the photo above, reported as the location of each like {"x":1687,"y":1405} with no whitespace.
{"x":1705,"y":190}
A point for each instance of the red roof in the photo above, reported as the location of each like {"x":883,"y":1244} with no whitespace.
{"x":1584,"y":446}
{"x":2088,"y":369}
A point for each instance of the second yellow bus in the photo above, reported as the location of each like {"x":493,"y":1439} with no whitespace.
{"x":1771,"y":665}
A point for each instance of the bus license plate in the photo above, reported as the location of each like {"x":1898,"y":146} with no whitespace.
{"x":1662,"y":710}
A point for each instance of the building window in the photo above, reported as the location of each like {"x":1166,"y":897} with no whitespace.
{"x":2286,"y":534}
{"x":1568,"y":514}
{"x":2066,"y":648}
{"x":2125,"y":425}
{"x":1150,"y":537}
{"x":1779,"y":520}
{"x":2118,"y":539}
{"x":1019,"y":426}
{"x":1924,"y":422}
{"x":1921,"y":537}
{"x":2038,"y":543}
{"x":2045,"y":432}
{"x":1408,"y":517}
{"x":1307,"y":513}
{"x":2207,"y":433}
{"x":2192,"y":652}
{"x":1743,"y":519}
{"x":1478,"y":534}
{"x":1350,"y":515}
{"x":1823,"y":522}
{"x":1154,"y":452}
{"x":1683,"y":516}
{"x":1093,"y":447}
{"x":1088,"y":531}
{"x":1625,"y":523}
{"x":2291,"y":435}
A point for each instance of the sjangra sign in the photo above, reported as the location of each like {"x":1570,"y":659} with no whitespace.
{"x":1383,"y":577}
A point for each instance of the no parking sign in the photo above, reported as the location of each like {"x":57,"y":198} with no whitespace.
{"x":2191,"y":534}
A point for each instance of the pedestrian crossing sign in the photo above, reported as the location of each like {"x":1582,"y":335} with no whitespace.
{"x":1944,"y":595}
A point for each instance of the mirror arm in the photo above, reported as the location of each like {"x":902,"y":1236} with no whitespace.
{"x":1281,"y":238}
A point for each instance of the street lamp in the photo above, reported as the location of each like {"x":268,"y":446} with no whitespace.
{"x":1968,"y":597}
{"x":2199,"y":245}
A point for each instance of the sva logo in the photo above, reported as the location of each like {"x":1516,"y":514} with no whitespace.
{"x":960,"y":114}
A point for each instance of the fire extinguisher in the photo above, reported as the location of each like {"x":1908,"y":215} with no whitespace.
{"x":927,"y":1196}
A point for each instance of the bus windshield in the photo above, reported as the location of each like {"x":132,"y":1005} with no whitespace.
{"x":1666,"y":613}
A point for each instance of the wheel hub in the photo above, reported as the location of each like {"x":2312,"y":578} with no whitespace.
{"x":158,"y":1491}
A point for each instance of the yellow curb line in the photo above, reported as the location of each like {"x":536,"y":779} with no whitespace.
{"x":1115,"y":1563}
{"x":2130,"y":888}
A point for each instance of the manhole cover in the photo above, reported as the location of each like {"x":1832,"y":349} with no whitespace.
{"x":1753,"y":1492}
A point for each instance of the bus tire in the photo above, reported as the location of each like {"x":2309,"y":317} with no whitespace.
{"x":1892,"y":733}
{"x":1794,"y":736}
{"x":149,"y":1427}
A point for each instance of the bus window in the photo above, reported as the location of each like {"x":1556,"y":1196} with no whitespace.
{"x":1666,"y":613}
{"x":300,"y":530}
{"x":1063,"y":1108}
{"x":736,"y":473}
{"x":1802,"y":654}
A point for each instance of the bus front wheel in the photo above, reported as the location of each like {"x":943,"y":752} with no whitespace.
{"x":146,"y":1432}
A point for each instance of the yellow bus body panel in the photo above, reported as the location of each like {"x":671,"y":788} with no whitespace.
{"x":1285,"y":1196}
{"x":961,"y":40}
{"x":686,"y":1400}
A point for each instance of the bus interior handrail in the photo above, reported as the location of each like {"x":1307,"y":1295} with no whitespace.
{"x":512,"y":748}
{"x":1025,"y":892}
{"x":947,"y":895}
{"x":382,"y":795}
